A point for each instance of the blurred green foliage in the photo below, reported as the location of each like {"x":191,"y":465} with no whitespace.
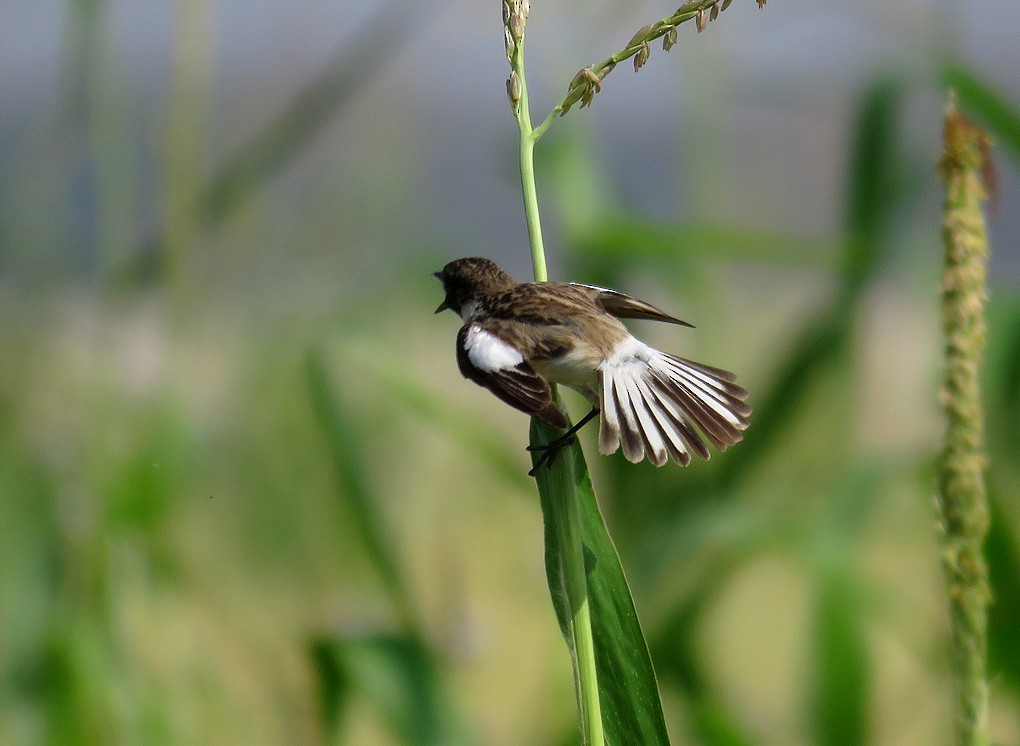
{"x":289,"y":530}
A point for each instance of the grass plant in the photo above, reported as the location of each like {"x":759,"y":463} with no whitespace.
{"x":617,"y":694}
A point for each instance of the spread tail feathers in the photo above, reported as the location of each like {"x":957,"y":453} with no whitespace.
{"x":657,"y":405}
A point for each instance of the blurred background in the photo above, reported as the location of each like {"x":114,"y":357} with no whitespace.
{"x":245,"y":496}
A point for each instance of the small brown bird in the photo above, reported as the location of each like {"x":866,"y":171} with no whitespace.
{"x":519,"y":337}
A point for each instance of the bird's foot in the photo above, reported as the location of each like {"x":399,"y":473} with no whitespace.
{"x":549,"y":451}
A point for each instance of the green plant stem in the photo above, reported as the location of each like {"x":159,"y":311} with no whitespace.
{"x":531,"y":206}
{"x":962,"y":500}
{"x":568,"y":517}
{"x":527,"y":153}
{"x":575,"y":587}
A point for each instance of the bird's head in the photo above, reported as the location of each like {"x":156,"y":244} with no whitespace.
{"x":467,"y":281}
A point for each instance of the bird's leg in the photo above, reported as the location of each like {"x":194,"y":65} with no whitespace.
{"x":550,"y":450}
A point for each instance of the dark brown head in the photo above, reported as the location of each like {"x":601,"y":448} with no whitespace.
{"x":468,"y":280}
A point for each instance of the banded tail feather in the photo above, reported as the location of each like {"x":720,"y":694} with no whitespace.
{"x":659,"y":406}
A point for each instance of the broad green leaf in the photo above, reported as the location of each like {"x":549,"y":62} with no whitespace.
{"x":628,"y":692}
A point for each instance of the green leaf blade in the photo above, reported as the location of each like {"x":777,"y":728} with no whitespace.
{"x":628,"y":691}
{"x":839,"y":703}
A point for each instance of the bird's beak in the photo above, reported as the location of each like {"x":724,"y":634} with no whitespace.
{"x":444,"y":305}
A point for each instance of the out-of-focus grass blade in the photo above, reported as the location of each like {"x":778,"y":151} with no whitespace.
{"x":877,"y":180}
{"x":598,"y":235}
{"x":628,"y":692}
{"x":817,"y":347}
{"x":982,"y":100}
{"x":1003,"y":553}
{"x":335,"y":686}
{"x":399,"y":676}
{"x":390,"y":371}
{"x":345,"y":451}
{"x":1003,"y":368}
{"x":674,"y":649}
{"x":141,"y":491}
{"x":741,"y":533}
{"x":874,"y":190}
{"x":1002,"y":547}
{"x":840,"y":683}
{"x":624,"y":239}
{"x":283,"y":139}
{"x":398,"y":673}
{"x":838,"y":698}
{"x":306,"y":114}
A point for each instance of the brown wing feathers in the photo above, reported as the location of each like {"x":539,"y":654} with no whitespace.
{"x":517,"y":385}
{"x":627,"y":307}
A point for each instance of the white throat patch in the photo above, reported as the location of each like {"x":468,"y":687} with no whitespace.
{"x":469,"y":309}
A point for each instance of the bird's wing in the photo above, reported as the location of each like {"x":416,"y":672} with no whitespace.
{"x":489,"y":361}
{"x":626,"y":307}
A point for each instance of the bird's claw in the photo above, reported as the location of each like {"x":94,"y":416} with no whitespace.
{"x":549,"y":452}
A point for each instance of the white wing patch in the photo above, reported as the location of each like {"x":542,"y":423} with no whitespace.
{"x":489,"y":353}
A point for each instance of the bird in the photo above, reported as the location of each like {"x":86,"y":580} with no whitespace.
{"x":519,"y":338}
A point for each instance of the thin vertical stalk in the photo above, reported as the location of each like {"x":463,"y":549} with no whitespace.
{"x":566,"y":502}
{"x":962,"y":501}
{"x":522,"y":112}
{"x":573,"y":576}
{"x":531,"y":199}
